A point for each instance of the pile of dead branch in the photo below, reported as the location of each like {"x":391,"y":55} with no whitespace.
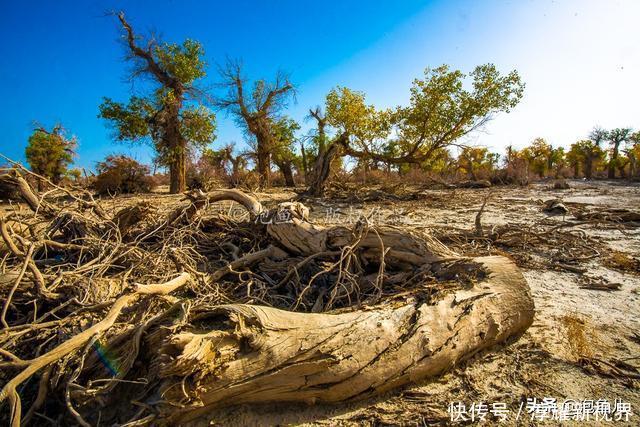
{"x":134,"y":316}
{"x":394,"y":191}
{"x":544,"y":244}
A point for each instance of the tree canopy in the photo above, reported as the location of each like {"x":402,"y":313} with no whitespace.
{"x":441,"y":111}
{"x":50,"y":152}
{"x":171,"y":116}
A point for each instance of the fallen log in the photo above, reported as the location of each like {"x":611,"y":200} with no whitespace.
{"x":408,"y":308}
{"x":256,"y":354}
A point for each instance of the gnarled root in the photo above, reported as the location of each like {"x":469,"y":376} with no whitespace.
{"x":33,"y":366}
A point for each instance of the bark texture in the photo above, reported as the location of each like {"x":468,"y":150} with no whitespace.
{"x":260,"y":354}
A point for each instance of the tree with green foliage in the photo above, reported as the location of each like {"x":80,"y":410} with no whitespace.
{"x":633,"y":153}
{"x":284,"y":156}
{"x":171,"y":116}
{"x":589,"y":151}
{"x":537,"y":155}
{"x":75,"y":174}
{"x":574,"y":159}
{"x":616,"y":138}
{"x":475,"y":160}
{"x":50,"y":152}
{"x":257,"y":111}
{"x":440,"y":112}
{"x":355,"y":123}
{"x":556,"y":161}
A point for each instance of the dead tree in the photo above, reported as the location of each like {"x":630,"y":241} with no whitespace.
{"x":211,"y":355}
{"x":249,"y":354}
{"x":260,"y":354}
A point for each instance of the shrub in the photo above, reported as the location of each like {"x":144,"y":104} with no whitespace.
{"x":161,"y":179}
{"x":205,"y":176}
{"x":49,"y":153}
{"x":516,"y":172}
{"x":122,"y":174}
{"x":249,"y":180}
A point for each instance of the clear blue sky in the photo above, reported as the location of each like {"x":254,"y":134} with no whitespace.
{"x":580,"y":59}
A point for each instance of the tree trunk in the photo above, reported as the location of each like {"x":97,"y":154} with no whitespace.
{"x":588,"y":167}
{"x":304,"y":162}
{"x":613,"y":162}
{"x":322,"y":168}
{"x":263,"y":165}
{"x":178,"y":172}
{"x":472,"y":172}
{"x":253,"y":354}
{"x":287,"y":172}
{"x":621,"y":170}
{"x":176,"y":143}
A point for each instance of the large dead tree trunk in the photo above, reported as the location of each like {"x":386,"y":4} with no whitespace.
{"x":261,"y":354}
{"x":218,"y":355}
{"x":244,"y":353}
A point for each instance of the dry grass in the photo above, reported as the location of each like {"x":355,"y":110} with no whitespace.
{"x":583,"y":338}
{"x":580,"y":345}
{"x":621,"y":261}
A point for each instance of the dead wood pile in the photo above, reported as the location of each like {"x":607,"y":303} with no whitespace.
{"x":127,"y":316}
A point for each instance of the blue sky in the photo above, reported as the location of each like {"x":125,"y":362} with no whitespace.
{"x":579,"y":59}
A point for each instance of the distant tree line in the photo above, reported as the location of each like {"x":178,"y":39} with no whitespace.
{"x":416,"y":140}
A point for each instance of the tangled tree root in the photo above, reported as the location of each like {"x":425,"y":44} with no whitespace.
{"x":345,"y":312}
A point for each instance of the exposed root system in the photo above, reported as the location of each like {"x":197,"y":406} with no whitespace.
{"x":189,"y":309}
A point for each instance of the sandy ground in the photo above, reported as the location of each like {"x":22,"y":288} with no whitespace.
{"x":544,"y":363}
{"x":570,"y":322}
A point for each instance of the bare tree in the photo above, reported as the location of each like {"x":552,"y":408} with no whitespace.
{"x":257,"y":111}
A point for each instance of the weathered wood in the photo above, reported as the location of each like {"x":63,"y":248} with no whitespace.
{"x":260,"y":354}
